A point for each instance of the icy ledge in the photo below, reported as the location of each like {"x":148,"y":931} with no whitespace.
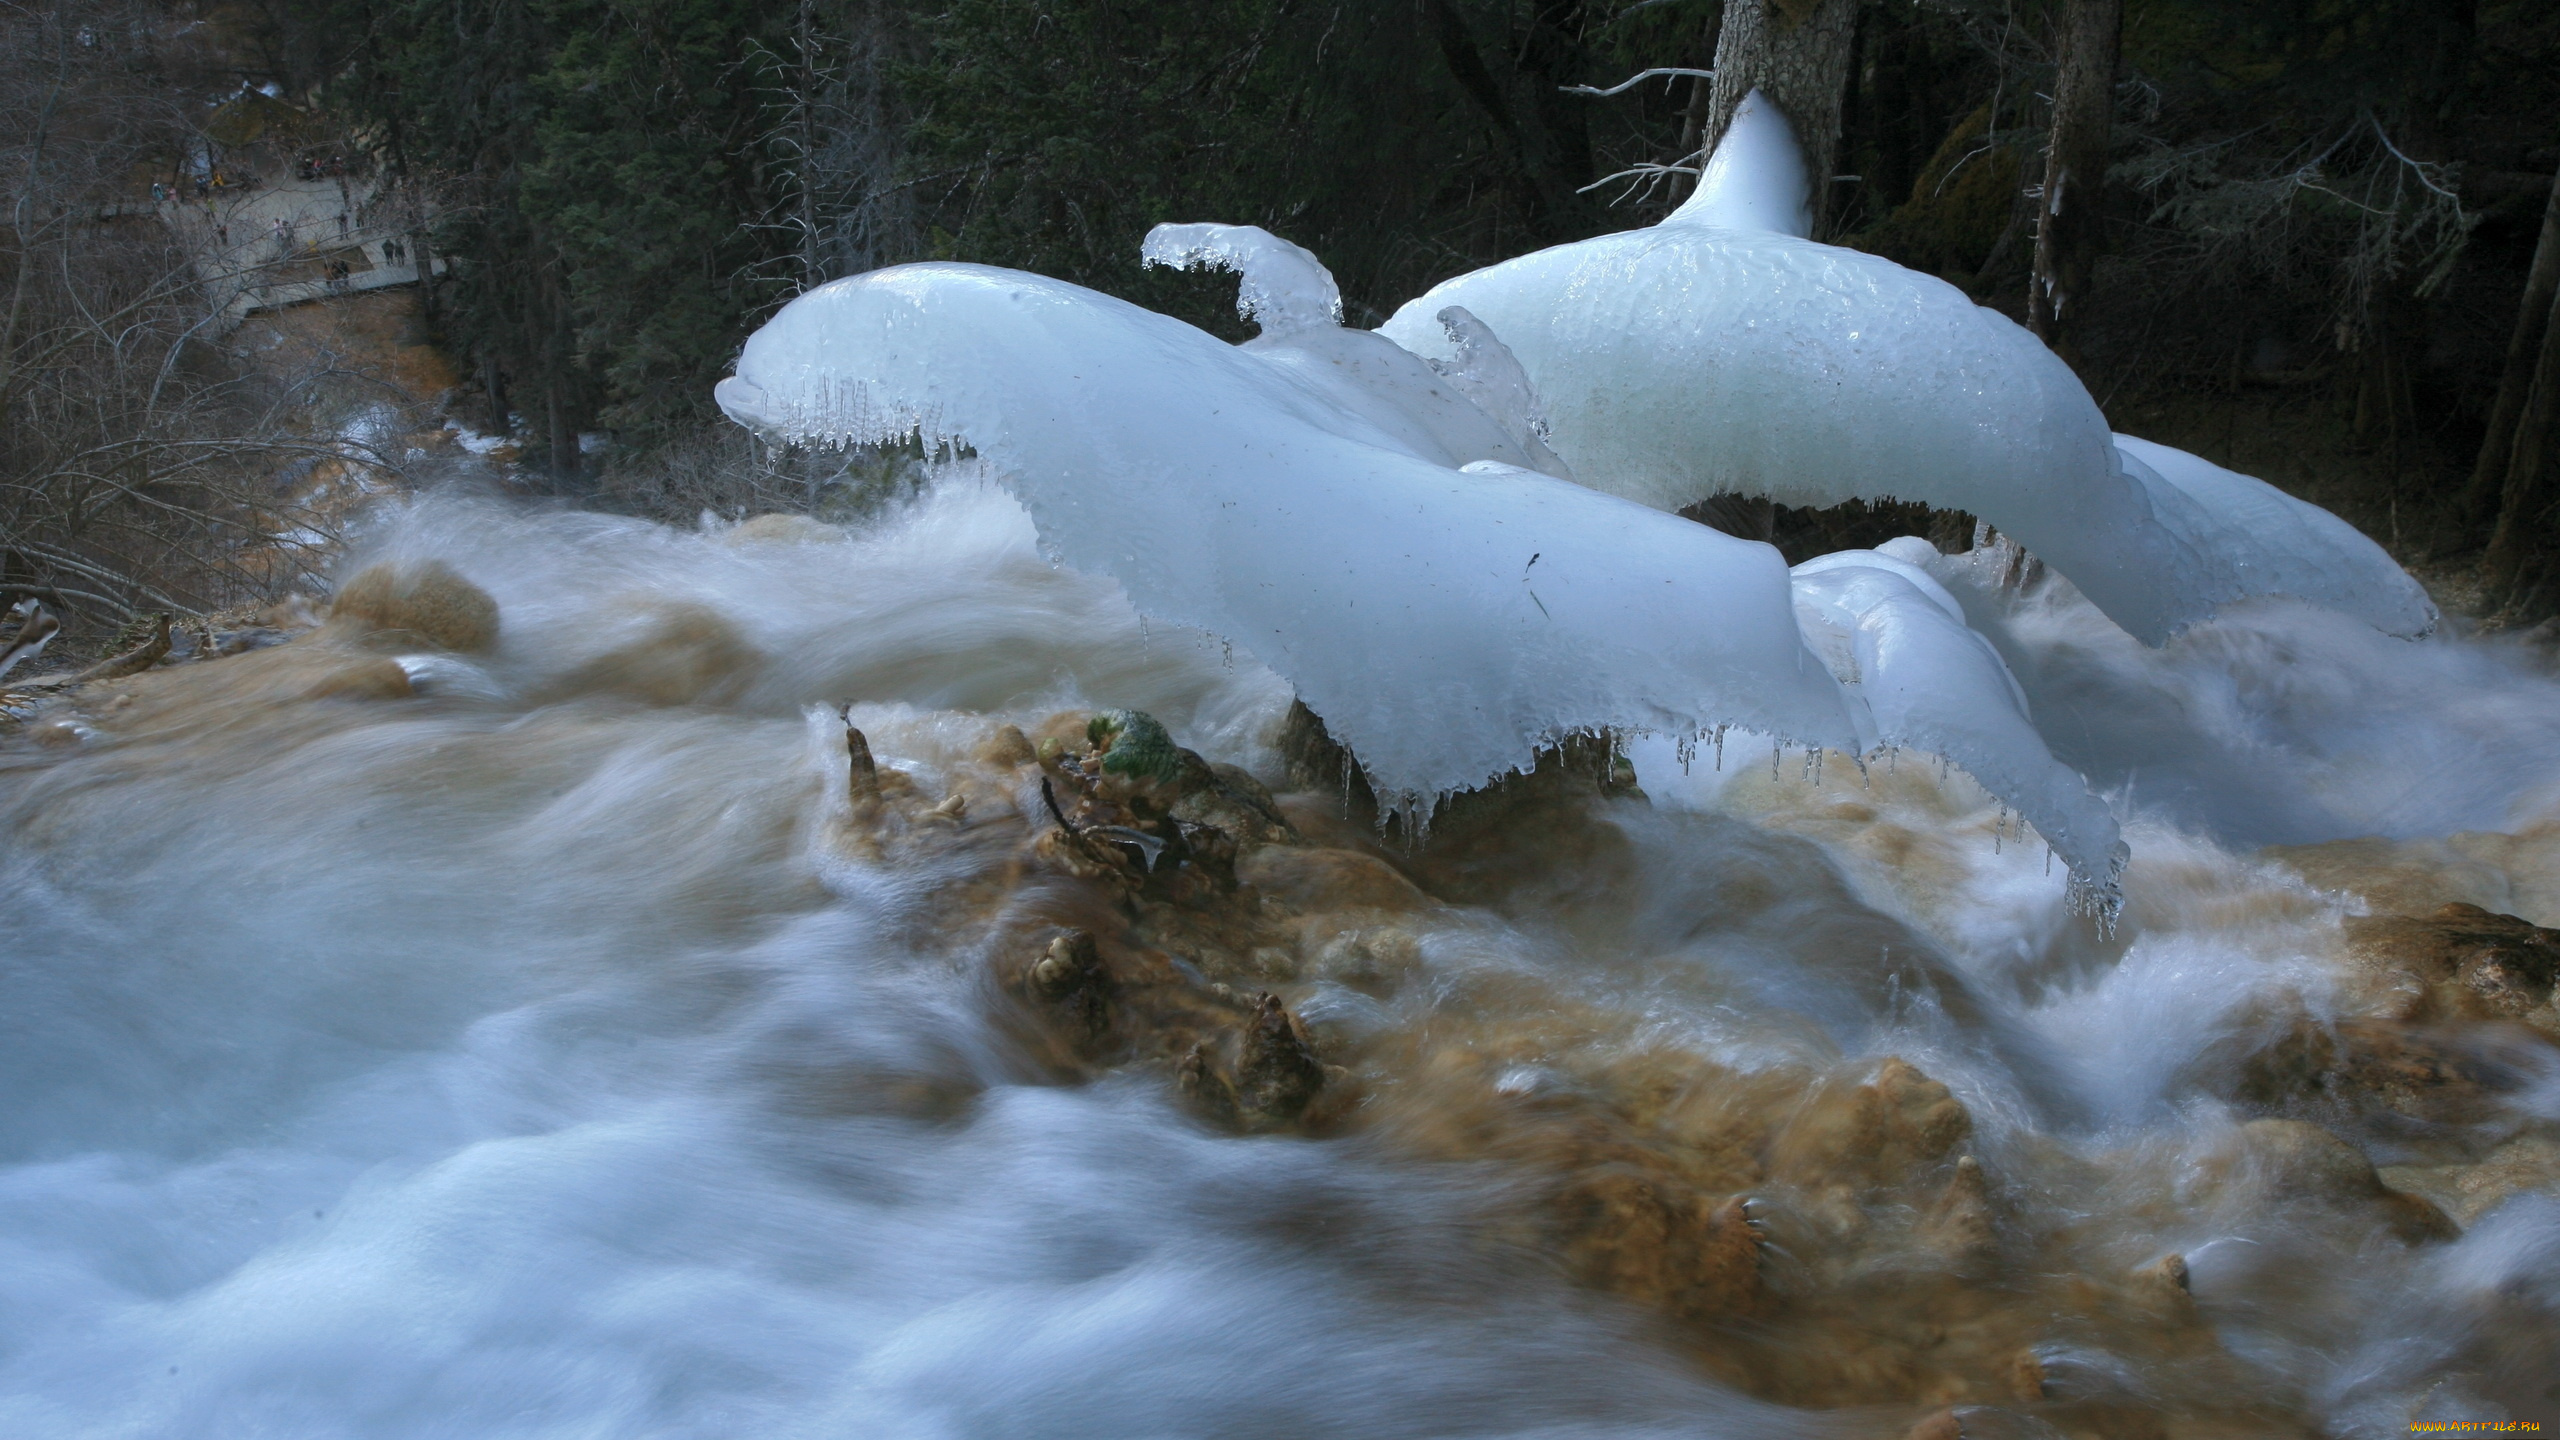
{"x":1446,"y":623}
{"x":1344,"y":513}
{"x":1722,"y":351}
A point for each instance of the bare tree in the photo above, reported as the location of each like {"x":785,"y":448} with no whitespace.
{"x":2088,"y":34}
{"x":2499,"y":445}
{"x":1797,"y":53}
{"x":139,"y":468}
{"x":846,"y":210}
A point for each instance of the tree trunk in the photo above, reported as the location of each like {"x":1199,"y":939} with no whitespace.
{"x":2520,"y":503}
{"x":2489,"y":472}
{"x":1797,"y":53}
{"x":423,"y":257}
{"x":805,"y":126}
{"x":2069,"y":220}
{"x":564,"y":436}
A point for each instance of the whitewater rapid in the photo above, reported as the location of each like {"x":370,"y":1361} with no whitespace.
{"x":528,"y":1055}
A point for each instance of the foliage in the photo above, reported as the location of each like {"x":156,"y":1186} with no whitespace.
{"x":138,"y":468}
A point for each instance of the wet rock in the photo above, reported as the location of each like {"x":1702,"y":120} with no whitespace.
{"x":1070,"y":980}
{"x":1883,"y":1132}
{"x":2168,"y":1275}
{"x":2460,"y":963}
{"x":1642,"y":1235}
{"x":363,"y":680}
{"x":862,"y":777}
{"x":1320,"y":879}
{"x":2027,"y":1379}
{"x":1961,"y":1225}
{"x":422,"y":603}
{"x":2386,"y":1070}
{"x":780,"y":527}
{"x":1374,"y":960}
{"x":1196,"y":1078}
{"x":2466,"y":1192}
{"x":675,"y":653}
{"x":1006,"y":749}
{"x":2293,"y":1162}
{"x":1277,"y":1073}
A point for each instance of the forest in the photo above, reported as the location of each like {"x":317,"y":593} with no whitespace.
{"x":2322,"y":247}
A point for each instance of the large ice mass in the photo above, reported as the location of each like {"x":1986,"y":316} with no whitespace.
{"x":1445,"y":622}
{"x":1721,"y":350}
{"x":1372,"y":525}
{"x":1264,"y":492}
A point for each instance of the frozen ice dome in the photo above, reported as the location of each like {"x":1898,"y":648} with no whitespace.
{"x":2266,"y":542}
{"x":1722,"y":351}
{"x":1445,"y":623}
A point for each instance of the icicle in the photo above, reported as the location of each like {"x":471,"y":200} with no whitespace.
{"x":2048,"y":857}
{"x":1719,"y":749}
{"x":1774,"y":749}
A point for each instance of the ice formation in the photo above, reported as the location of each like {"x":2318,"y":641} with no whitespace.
{"x":1755,"y":180}
{"x":1282,"y":287}
{"x":1377,"y":529}
{"x":1475,"y":406}
{"x":1899,"y":644}
{"x":1444,"y":622}
{"x":2266,"y":542}
{"x":1722,"y":351}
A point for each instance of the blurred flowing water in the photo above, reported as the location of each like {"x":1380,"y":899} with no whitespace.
{"x":528,"y":1056}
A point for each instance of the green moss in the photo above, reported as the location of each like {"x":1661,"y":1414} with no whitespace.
{"x":1134,"y":743}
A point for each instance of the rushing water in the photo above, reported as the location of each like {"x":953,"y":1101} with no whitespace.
{"x":562,"y":1050}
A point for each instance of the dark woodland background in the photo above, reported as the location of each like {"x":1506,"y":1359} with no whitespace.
{"x":2317,"y":225}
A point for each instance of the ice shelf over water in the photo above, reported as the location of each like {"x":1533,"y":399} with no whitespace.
{"x":1722,"y":351}
{"x":1378,"y":529}
{"x":1445,"y":623}
{"x":1384,"y":524}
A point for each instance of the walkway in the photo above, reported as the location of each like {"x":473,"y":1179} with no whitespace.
{"x":272,"y":242}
